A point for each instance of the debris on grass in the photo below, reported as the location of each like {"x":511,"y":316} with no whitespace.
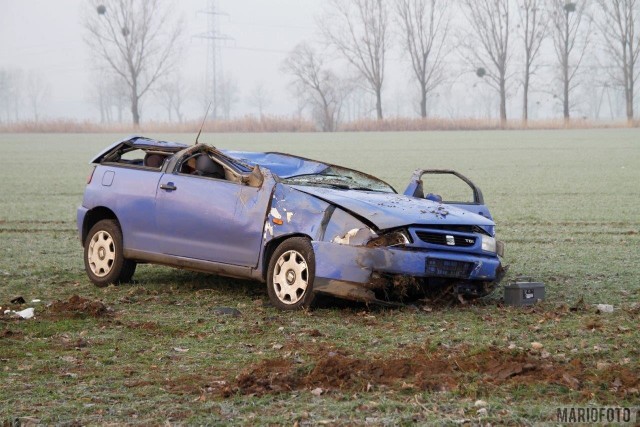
{"x":18,"y":300}
{"x":27,"y":313}
{"x":78,"y":307}
{"x":604,"y":308}
{"x":536,"y":346}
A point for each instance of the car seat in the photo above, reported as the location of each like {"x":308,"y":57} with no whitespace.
{"x":153,"y":160}
{"x":208,"y":168}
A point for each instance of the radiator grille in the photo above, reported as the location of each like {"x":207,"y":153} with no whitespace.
{"x":441,"y":239}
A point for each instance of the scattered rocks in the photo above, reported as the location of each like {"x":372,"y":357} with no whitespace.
{"x":604,"y":308}
{"x":480,"y":404}
{"x":536,"y":346}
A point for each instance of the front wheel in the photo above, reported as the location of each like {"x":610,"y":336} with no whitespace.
{"x":290,"y":274}
{"x":103,"y":255}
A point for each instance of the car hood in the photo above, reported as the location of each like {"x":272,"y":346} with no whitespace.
{"x":390,"y":210}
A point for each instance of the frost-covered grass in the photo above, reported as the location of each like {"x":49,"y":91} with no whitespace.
{"x":566,"y":203}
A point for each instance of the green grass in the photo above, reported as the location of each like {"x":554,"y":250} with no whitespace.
{"x":567,"y":204}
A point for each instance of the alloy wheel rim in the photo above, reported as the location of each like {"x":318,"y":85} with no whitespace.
{"x":290,"y":277}
{"x":101,"y":254}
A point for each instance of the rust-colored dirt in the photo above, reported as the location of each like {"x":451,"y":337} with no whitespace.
{"x":77,"y":306}
{"x":422,"y":370}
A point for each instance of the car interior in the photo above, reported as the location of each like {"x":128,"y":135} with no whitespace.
{"x":201,"y":164}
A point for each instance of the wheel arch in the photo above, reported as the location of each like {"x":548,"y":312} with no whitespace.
{"x":95,"y":215}
{"x":271,"y":246}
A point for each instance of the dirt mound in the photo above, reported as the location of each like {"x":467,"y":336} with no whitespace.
{"x":8,"y":333}
{"x":421,"y":370}
{"x":78,"y":307}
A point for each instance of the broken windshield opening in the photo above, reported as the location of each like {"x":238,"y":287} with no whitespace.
{"x":342,"y":178}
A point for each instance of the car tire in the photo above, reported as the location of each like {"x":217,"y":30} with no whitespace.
{"x":104,"y":259}
{"x":290,"y":274}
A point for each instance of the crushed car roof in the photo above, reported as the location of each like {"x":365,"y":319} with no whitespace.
{"x":283,"y":165}
{"x":141,"y":142}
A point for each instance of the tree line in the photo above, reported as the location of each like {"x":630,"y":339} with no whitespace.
{"x":488,"y":35}
{"x":504,"y":44}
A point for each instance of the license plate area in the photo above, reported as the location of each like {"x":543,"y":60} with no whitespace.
{"x":437,"y":267}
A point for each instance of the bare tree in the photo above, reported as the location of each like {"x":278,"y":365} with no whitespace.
{"x":489,"y":21}
{"x":37,"y":90}
{"x":622,"y":45}
{"x":137,"y":40}
{"x":260,"y":98}
{"x":533,"y":26}
{"x":318,"y":86}
{"x":227,"y":96}
{"x":358,"y":29}
{"x":425,"y":29}
{"x":171,"y":93}
{"x":11,"y":93}
{"x":570,"y":42}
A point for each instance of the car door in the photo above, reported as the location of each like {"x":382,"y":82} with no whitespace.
{"x":450,"y":187}
{"x":211,"y":219}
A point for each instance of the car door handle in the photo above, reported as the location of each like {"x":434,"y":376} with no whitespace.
{"x":169,"y":186}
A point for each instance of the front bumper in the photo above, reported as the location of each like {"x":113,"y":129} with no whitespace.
{"x":344,"y":269}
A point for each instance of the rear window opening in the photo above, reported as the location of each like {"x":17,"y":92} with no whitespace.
{"x":145,"y":158}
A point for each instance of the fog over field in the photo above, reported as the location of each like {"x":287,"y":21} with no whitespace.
{"x":53,"y":72}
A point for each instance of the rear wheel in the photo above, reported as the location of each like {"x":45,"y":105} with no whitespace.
{"x":290,"y":274}
{"x":104,"y":260}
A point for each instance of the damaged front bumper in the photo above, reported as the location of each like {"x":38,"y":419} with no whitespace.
{"x":356,"y":272}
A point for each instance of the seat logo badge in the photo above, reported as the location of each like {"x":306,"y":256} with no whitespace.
{"x":451,"y":241}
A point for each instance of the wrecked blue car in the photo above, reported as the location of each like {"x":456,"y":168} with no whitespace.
{"x":301,"y":226}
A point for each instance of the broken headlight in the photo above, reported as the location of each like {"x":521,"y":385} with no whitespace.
{"x":394,"y":238}
{"x":488,"y":244}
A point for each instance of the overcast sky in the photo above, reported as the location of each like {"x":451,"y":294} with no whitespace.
{"x":47,"y":36}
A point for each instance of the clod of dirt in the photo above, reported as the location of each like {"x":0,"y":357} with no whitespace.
{"x":78,"y":307}
{"x":8,"y":333}
{"x":579,"y":305}
{"x":146,"y":326}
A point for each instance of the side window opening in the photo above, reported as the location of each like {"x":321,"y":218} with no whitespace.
{"x":208,"y":165}
{"x":201,"y":164}
{"x":446,"y":188}
{"x":139,"y":157}
{"x":154,"y":160}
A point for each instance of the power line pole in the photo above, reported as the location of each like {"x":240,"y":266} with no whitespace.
{"x":214,"y":69}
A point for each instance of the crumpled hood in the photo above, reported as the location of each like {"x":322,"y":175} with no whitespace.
{"x":387,"y":210}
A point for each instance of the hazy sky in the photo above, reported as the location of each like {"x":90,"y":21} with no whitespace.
{"x":47,"y":36}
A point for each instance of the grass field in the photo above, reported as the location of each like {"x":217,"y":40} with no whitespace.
{"x":567,"y":204}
